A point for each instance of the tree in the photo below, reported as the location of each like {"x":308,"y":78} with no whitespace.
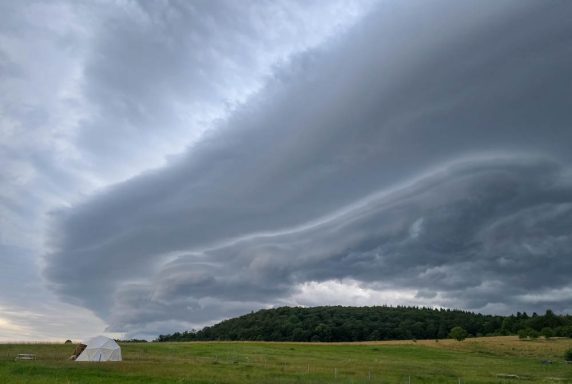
{"x":565,"y":331}
{"x":547,"y":332}
{"x":442,"y":332}
{"x":458,"y":333}
{"x":568,"y":355}
{"x":299,"y":335}
{"x":374,"y":336}
{"x":551,"y":320}
{"x":508,"y":325}
{"x":523,"y":333}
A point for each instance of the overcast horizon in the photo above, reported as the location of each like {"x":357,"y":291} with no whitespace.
{"x":170,"y":164}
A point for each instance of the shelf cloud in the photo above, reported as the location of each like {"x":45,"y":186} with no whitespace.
{"x":420,"y":154}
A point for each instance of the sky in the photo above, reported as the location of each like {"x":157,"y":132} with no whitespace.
{"x":166,"y":165}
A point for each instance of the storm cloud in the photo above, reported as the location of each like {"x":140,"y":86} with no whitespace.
{"x":483,"y":233}
{"x":426,"y":150}
{"x":93,"y":93}
{"x":422,"y":156}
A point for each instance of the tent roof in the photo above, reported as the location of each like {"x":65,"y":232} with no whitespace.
{"x":101,"y":342}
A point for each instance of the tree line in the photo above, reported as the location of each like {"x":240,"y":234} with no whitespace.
{"x":337,"y":323}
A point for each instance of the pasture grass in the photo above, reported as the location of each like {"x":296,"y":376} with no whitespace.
{"x":478,"y":360}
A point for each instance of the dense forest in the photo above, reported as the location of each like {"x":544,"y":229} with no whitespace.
{"x":337,"y":323}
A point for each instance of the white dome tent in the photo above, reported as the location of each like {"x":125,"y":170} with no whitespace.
{"x":100,"y":348}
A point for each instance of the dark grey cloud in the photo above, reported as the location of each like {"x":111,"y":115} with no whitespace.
{"x":428,"y":149}
{"x":485,"y":231}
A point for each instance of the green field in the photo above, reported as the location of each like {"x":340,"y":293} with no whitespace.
{"x":479,"y":360}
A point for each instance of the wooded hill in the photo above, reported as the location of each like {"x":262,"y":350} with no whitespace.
{"x":337,"y":323}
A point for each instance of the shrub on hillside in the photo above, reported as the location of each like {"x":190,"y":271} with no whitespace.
{"x":547,"y":332}
{"x":523,"y":333}
{"x":564,"y":331}
{"x":458,"y":333}
{"x":533,"y":334}
{"x":568,"y":355}
{"x":529,"y":333}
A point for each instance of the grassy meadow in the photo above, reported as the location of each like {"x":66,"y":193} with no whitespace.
{"x":478,"y":360}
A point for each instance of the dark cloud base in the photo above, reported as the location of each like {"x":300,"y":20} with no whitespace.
{"x":482,"y":233}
